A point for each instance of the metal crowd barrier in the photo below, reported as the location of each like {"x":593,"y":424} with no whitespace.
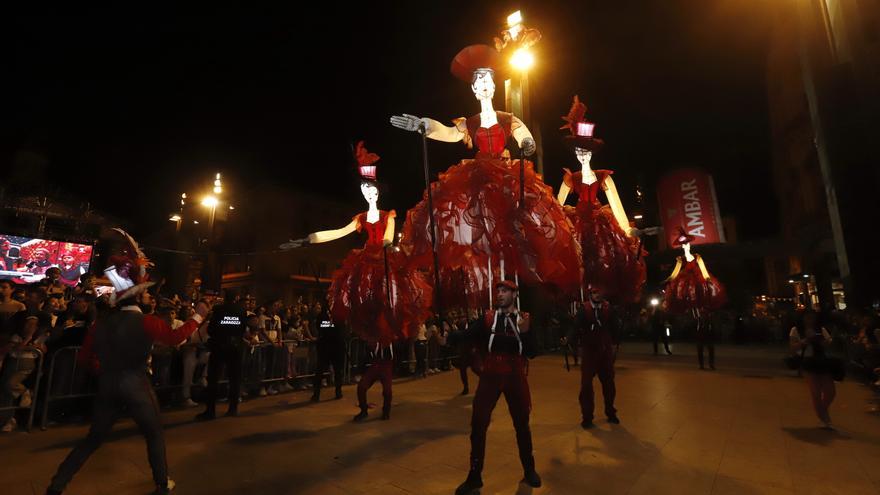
{"x":263,"y":363}
{"x":270,"y":368}
{"x":357,"y":353}
{"x":38,"y":370}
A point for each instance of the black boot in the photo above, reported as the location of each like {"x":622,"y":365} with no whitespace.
{"x":471,"y":485}
{"x":165,"y":488}
{"x":531,"y":478}
{"x":316,"y":396}
{"x":361,"y":415}
{"x":205,"y":416}
{"x":338,"y":393}
{"x":386,"y":413}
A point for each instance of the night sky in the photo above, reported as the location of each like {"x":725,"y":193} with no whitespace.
{"x":166,"y":98}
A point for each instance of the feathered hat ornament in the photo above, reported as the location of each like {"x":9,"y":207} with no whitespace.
{"x":581,"y":131}
{"x":128,"y":270}
{"x":365,"y":161}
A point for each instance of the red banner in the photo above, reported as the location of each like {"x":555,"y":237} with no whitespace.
{"x":687,"y":199}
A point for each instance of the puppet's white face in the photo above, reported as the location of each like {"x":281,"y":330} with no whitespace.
{"x":584,"y":156}
{"x":370,"y":192}
{"x":483,"y":86}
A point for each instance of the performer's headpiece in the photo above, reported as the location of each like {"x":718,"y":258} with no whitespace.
{"x":581,"y":130}
{"x":365,"y":161}
{"x":683,"y":238}
{"x":474,"y":58}
{"x":509,"y":284}
{"x":128,"y":270}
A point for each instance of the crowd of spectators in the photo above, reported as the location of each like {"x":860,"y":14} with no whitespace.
{"x":45,"y":323}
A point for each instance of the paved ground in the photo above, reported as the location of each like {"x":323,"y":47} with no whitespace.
{"x":744,"y":429}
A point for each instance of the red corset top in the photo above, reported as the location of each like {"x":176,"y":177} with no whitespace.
{"x":588,"y":194}
{"x":491,"y":140}
{"x":375,"y":231}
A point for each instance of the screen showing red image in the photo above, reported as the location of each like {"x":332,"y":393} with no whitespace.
{"x":24,"y":260}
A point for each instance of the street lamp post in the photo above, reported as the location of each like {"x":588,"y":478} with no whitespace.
{"x":518,"y":39}
{"x":210,"y":201}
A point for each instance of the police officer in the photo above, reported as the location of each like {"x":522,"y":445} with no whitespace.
{"x":226,"y":343}
{"x":505,"y":336}
{"x":331,"y":350}
{"x":597,"y":356}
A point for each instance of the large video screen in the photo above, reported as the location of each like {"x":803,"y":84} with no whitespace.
{"x":24,"y":260}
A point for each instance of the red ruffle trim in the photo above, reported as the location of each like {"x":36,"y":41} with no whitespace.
{"x":359,"y":295}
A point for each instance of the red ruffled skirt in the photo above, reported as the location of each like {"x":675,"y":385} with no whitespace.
{"x":690,"y":291}
{"x":476,"y":206}
{"x":611,"y":258}
{"x":359,"y":295}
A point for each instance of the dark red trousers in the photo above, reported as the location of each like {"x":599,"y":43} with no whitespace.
{"x":597,"y":359}
{"x":380,"y":370}
{"x":467,"y":358}
{"x":502,"y":374}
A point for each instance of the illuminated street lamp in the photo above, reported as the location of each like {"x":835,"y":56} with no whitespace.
{"x":211,"y":202}
{"x":654,"y":301}
{"x":522,"y":60}
{"x":514,"y":43}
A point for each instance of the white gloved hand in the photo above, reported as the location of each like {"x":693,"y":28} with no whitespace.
{"x":295,"y":243}
{"x":528,"y":146}
{"x":409,"y":122}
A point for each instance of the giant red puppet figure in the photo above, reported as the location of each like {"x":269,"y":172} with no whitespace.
{"x":481,"y":221}
{"x":612,"y":257}
{"x":375,"y":291}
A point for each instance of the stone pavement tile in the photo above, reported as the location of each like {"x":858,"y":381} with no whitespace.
{"x":837,"y":485}
{"x":699,"y":455}
{"x":673,"y":478}
{"x":770,"y":452}
{"x":756,"y":470}
{"x":436,"y":479}
{"x":325,"y":488}
{"x":387,"y":489}
{"x":730,"y":486}
{"x":371,"y":475}
{"x":870,"y":464}
{"x":14,"y":487}
{"x":584,"y":475}
{"x":650,"y":430}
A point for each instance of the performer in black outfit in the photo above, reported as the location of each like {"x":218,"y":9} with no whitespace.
{"x":705,"y":336}
{"x":505,"y":335}
{"x":331,"y":350}
{"x":118,"y":346}
{"x":659,"y":324}
{"x":226,"y":343}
